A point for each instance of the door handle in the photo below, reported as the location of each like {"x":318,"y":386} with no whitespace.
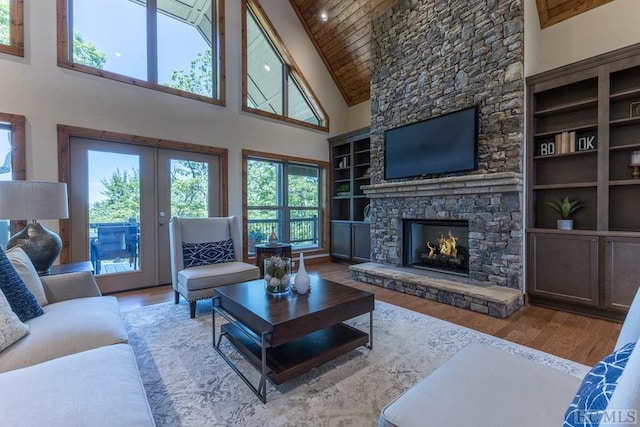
{"x":161,"y":220}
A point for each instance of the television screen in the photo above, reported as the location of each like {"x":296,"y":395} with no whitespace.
{"x":442,"y":144}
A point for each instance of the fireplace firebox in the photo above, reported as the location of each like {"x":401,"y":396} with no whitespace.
{"x":440,"y":245}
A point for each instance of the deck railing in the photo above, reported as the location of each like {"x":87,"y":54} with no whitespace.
{"x":302,"y":231}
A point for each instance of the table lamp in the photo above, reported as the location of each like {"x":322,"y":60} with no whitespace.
{"x":33,"y":200}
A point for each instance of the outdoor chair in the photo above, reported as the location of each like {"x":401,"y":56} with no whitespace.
{"x":114,"y":242}
{"x":206,"y":253}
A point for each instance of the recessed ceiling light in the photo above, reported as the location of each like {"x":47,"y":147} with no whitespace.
{"x":324,"y":16}
{"x":118,"y":54}
{"x":266,"y":67}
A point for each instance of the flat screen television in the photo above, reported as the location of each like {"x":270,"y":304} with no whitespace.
{"x":443,"y":144}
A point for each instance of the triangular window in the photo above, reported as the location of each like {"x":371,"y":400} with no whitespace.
{"x":273,"y":85}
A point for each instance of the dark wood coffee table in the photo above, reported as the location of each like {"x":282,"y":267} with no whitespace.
{"x":287,"y":336}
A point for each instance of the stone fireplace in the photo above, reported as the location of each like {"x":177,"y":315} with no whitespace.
{"x":436,"y":245}
{"x":428,"y":58}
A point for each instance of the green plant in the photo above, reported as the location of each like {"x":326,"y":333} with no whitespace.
{"x":564,"y":206}
{"x":256,"y":235}
{"x":342,"y":188}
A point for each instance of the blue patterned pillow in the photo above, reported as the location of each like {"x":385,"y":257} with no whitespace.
{"x":22,"y":301}
{"x":207,"y":253}
{"x":597,"y":388}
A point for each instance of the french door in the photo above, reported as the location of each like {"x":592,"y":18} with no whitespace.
{"x":122,"y":197}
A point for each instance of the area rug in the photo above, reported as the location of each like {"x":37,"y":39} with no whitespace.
{"x":188,"y":383}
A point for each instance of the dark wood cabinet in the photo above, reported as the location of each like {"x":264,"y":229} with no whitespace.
{"x":583,"y":135}
{"x":350,"y":170}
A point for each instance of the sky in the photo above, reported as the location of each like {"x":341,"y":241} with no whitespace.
{"x":118,"y":28}
{"x":102,"y":165}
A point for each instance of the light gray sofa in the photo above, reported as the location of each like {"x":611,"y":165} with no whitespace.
{"x":483,"y":385}
{"x":74,"y":368}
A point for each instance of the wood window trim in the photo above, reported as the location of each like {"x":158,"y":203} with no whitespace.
{"x":324,"y":208}
{"x":16,"y":45}
{"x":549,"y":15}
{"x":18,"y":155}
{"x":266,"y":24}
{"x":64,"y":62}
{"x":65,"y":133}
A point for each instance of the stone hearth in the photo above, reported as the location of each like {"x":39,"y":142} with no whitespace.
{"x":496,"y":301}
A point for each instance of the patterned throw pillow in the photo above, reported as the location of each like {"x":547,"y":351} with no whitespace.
{"x":11,"y":328}
{"x":597,"y":388}
{"x":207,"y":253}
{"x":22,"y":301}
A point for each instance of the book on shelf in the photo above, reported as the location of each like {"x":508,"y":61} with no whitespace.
{"x":572,"y":142}
{"x":565,"y":142}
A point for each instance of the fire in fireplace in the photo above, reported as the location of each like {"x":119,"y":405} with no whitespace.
{"x":440,"y":245}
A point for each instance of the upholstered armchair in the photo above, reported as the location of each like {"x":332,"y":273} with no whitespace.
{"x":206,"y":253}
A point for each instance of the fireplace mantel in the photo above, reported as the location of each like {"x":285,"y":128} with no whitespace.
{"x":503,"y":182}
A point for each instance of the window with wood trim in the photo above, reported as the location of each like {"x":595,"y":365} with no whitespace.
{"x":272,"y":84}
{"x":166,"y":45}
{"x":11,"y":27}
{"x":285,"y":195}
{"x":12,"y":163}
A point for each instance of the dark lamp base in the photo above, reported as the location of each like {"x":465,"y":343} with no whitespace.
{"x":41,"y":245}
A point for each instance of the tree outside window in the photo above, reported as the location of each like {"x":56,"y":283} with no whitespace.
{"x":284,"y":197}
{"x":182,"y":56}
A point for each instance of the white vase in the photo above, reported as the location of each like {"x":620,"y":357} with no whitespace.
{"x":302,"y":280}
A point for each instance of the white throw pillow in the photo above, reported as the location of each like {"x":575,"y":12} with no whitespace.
{"x":27,"y":272}
{"x":11,"y":328}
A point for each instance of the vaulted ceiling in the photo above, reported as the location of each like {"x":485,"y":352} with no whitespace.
{"x":343,"y":37}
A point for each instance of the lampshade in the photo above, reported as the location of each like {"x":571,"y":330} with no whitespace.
{"x":33,"y":200}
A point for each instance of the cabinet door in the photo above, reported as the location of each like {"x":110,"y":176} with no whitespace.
{"x":341,"y":239}
{"x":622,"y":272}
{"x":564,"y":267}
{"x":361,"y":238}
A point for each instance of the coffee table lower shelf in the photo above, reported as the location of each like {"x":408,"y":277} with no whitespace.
{"x":296,"y":357}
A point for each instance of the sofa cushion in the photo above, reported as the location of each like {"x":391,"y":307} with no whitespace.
{"x":21,"y":300}
{"x":27,"y":272}
{"x":597,"y":388}
{"x":496,"y":388}
{"x":11,"y":328}
{"x":206,"y":253}
{"x":67,"y":327}
{"x":98,"y":388}
{"x":208,"y":276}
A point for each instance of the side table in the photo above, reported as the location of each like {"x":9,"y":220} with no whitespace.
{"x":264,"y":250}
{"x":71,"y":267}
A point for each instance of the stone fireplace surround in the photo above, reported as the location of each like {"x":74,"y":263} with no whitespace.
{"x":491,"y":203}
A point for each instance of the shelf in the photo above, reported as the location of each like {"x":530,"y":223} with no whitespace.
{"x":365,"y":151}
{"x":570,"y":106}
{"x":341,"y":180}
{"x":362,"y":177}
{"x":565,"y":185}
{"x":571,"y":129}
{"x":556,"y":156}
{"x":626,"y":121}
{"x":341,"y":197}
{"x":556,"y":231}
{"x":360,"y":165}
{"x":360,"y":196}
{"x":625,"y":147}
{"x":624,"y":182}
{"x":623,"y":96}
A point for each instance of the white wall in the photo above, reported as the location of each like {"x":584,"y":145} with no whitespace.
{"x":359,"y":115}
{"x":603,"y":29}
{"x":47,"y":95}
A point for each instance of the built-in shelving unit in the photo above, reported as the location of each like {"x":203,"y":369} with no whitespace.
{"x":350,"y":170}
{"x":583,"y":125}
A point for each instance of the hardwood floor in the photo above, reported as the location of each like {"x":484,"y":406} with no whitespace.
{"x":571,"y":336}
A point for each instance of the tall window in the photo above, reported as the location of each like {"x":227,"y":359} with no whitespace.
{"x":12,"y":162}
{"x":167,"y":45}
{"x":11,"y":27}
{"x":272,"y":83}
{"x":284,"y":196}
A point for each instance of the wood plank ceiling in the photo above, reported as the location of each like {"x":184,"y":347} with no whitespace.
{"x":343,"y":39}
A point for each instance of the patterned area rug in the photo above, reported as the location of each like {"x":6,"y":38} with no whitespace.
{"x":188,"y":383}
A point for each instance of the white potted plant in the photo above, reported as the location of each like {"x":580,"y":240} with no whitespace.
{"x":565,"y":208}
